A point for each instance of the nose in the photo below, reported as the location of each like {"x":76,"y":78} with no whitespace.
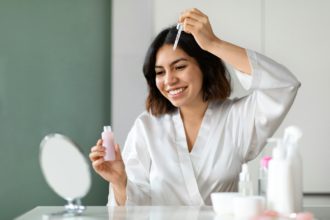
{"x":170,"y":78}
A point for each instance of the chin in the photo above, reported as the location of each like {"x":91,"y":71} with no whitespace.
{"x":177,"y":104}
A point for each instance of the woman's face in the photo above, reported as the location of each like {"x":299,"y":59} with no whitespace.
{"x":178,"y":77}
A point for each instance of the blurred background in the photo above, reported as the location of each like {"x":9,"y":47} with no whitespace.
{"x":55,"y":70}
{"x":72,"y":66}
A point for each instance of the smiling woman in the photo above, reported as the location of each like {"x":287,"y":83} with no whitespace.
{"x":189,"y":60}
{"x":180,"y":79}
{"x":192,"y":140}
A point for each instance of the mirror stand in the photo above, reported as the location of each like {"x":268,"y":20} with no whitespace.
{"x":73,"y":208}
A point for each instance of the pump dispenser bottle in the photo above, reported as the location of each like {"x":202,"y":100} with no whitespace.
{"x":245,"y":187}
{"x":108,"y":143}
{"x":291,"y":136}
{"x":279,"y":193}
{"x":284,"y":190}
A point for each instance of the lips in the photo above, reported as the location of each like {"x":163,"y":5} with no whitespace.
{"x":176,"y":92}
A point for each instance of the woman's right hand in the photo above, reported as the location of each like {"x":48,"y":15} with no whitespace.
{"x":197,"y":23}
{"x":111,"y":171}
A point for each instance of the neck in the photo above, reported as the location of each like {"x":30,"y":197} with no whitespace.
{"x":195,"y":112}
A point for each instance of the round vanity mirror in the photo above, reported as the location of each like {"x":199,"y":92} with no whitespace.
{"x":66,"y":170}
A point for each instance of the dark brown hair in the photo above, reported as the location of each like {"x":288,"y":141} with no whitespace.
{"x":216,"y":80}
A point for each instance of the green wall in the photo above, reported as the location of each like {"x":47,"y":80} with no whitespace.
{"x":54,"y":77}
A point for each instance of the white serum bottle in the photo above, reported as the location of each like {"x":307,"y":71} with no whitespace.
{"x":108,"y":143}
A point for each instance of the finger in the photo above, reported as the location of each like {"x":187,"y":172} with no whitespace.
{"x":96,"y":164}
{"x":197,"y":11}
{"x":99,"y":142}
{"x":192,"y":23}
{"x":193,"y":11}
{"x":117,"y":152}
{"x":97,"y":148}
{"x":191,"y":26}
{"x":96,"y":155}
{"x":193,"y":14}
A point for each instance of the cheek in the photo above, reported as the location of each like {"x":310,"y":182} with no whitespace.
{"x":196,"y":79}
{"x":159,"y":83}
{"x":199,"y":78}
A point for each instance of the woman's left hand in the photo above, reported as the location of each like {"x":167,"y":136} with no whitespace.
{"x":198,"y":24}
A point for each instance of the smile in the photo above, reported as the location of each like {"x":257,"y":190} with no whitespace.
{"x":175,"y":92}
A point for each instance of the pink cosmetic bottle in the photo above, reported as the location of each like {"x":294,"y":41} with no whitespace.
{"x":108,"y":143}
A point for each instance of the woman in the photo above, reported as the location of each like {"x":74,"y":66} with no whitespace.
{"x":192,"y":140}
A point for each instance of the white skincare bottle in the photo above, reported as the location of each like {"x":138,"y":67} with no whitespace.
{"x":108,"y":143}
{"x":291,"y":136}
{"x":279,"y":184}
{"x":245,"y":187}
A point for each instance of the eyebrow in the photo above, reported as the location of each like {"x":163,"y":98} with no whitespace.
{"x":173,"y":62}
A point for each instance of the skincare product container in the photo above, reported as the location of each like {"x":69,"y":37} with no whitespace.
{"x":263,"y":176}
{"x":222,"y":202}
{"x":284,"y":190}
{"x":279,"y":191}
{"x":291,"y":136}
{"x":108,"y":143}
{"x":245,"y":187}
{"x":248,"y":207}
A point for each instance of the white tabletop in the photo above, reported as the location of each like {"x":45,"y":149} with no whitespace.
{"x":128,"y":212}
{"x":146,"y":213}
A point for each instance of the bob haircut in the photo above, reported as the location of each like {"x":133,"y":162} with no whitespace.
{"x":216,"y":80}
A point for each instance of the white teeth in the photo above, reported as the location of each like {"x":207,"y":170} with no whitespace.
{"x":176,"y":91}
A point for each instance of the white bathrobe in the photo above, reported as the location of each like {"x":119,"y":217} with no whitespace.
{"x":160,"y":169}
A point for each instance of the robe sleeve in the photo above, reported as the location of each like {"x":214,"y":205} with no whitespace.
{"x":255,"y":117}
{"x":137,"y":165}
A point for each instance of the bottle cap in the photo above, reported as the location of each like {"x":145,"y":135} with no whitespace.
{"x":265,"y":161}
{"x":244,"y":175}
{"x":107,"y":128}
{"x":291,"y":135}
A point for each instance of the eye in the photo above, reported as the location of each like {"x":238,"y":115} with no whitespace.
{"x":159,"y":72}
{"x":180,"y":67}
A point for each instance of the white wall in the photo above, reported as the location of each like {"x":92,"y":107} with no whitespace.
{"x":295,"y":33}
{"x":131,"y":36}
